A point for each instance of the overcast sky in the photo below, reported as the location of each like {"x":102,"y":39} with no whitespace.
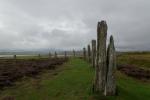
{"x":67,"y":24}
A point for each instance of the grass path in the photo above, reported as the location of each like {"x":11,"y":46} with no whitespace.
{"x":73,"y":81}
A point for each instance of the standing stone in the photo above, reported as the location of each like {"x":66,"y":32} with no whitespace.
{"x":110,"y":88}
{"x":89,"y":54}
{"x":50,"y":55}
{"x":55,"y":54}
{"x":39,"y":55}
{"x":93,"y":53}
{"x":100,"y":78}
{"x":84,"y":53}
{"x":65,"y":54}
{"x":74,"y":53}
{"x":15,"y":56}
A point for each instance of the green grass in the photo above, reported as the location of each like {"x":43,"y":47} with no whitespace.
{"x":131,"y":89}
{"x":73,"y":81}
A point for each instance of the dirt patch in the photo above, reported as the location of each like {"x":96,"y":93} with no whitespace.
{"x":13,"y":69}
{"x":135,"y":72}
{"x":8,"y":98}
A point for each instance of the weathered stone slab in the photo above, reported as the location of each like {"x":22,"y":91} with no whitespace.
{"x":15,"y":56}
{"x":100,"y":79}
{"x":110,"y":88}
{"x":84,"y":53}
{"x":55,"y":55}
{"x":89,"y":53}
{"x":65,"y":55}
{"x":50,"y":55}
{"x":93,"y":53}
{"x":39,"y":55}
{"x":74,"y":53}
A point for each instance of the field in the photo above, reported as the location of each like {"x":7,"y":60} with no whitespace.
{"x":137,"y":59}
{"x":135,"y":64}
{"x":73,"y":81}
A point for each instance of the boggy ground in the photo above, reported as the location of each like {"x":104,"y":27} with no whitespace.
{"x":13,"y":69}
{"x":135,"y":72}
{"x":135,"y":64}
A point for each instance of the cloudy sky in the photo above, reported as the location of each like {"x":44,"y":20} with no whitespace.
{"x":67,"y":24}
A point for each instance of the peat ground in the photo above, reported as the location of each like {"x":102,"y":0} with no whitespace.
{"x":14,"y":69}
{"x":136,"y":72}
{"x":135,"y":64}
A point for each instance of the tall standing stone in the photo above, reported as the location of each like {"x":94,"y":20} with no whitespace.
{"x":74,"y":53}
{"x":65,"y":54}
{"x":89,"y":53}
{"x":39,"y":55}
{"x":55,"y":54}
{"x":50,"y":55}
{"x":110,"y":88}
{"x":15,"y":56}
{"x":100,"y":78}
{"x":93,"y":53}
{"x":84,"y":53}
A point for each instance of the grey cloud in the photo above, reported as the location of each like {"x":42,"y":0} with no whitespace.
{"x":66,"y":24}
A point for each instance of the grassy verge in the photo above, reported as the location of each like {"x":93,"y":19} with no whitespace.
{"x":73,"y":81}
{"x":131,"y":89}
